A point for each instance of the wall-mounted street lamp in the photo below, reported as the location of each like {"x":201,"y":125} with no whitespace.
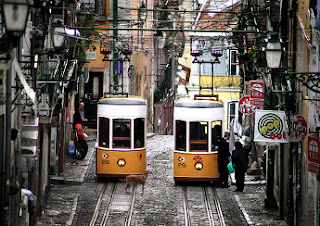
{"x":15,"y":14}
{"x":251,"y":29}
{"x":273,"y":51}
{"x":196,"y":48}
{"x":104,"y":47}
{"x":142,"y":13}
{"x":59,"y":35}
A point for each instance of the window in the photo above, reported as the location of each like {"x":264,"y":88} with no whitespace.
{"x":104,"y":132}
{"x":181,"y":135}
{"x":233,"y":62}
{"x":232,"y":111}
{"x":199,"y":136}
{"x":139,"y":133}
{"x":121,"y":133}
{"x":216,"y":133}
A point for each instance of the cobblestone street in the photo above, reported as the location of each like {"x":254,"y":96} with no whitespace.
{"x":161,"y":202}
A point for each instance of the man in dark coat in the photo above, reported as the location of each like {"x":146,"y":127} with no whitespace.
{"x":223,"y":161}
{"x":240,"y":160}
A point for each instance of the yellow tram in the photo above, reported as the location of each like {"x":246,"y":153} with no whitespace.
{"x":198,"y":127}
{"x":121,"y":137}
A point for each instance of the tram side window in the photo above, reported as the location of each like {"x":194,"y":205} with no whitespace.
{"x":104,"y":132}
{"x":216,"y":133}
{"x":199,"y":136}
{"x":139,"y":133}
{"x":121,"y":133}
{"x":181,"y":135}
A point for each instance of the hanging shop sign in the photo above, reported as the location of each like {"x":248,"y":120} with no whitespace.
{"x":257,"y":92}
{"x":313,"y":154}
{"x":299,"y":127}
{"x":270,"y":126}
{"x":246,"y":107}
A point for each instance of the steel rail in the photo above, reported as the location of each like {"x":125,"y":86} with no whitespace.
{"x":218,"y":207}
{"x":208,"y":206}
{"x":130,"y":211}
{"x":187,"y":218}
{"x":96,"y":211}
{"x":107,"y":210}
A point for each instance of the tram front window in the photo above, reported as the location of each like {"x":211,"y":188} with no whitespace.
{"x":121,"y":133}
{"x":199,"y":136}
{"x":181,"y":135}
{"x":104,"y":132}
{"x":216,"y":133}
{"x":139,"y":133}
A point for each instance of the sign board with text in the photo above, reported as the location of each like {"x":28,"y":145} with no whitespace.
{"x":257,"y":92}
{"x":313,"y":154}
{"x":270,"y":126}
{"x":245,"y":106}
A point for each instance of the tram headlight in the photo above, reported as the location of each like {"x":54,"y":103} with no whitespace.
{"x":121,"y":162}
{"x":198,"y":166}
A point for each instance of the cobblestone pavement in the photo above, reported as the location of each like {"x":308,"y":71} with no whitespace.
{"x":161,"y":203}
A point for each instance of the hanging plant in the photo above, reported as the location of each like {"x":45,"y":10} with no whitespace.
{"x":255,"y":52}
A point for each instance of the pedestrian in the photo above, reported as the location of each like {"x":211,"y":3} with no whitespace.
{"x":79,"y":116}
{"x":223,"y":160}
{"x":240,"y":160}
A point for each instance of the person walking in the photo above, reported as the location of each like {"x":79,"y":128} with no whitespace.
{"x":240,"y":160}
{"x":223,"y":160}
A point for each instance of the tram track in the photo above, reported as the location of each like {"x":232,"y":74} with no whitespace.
{"x":218,"y":210}
{"x":112,"y":203}
{"x":211,"y":207}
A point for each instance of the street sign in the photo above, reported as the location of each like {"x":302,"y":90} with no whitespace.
{"x":245,"y":106}
{"x":313,"y":154}
{"x":257,"y":92}
{"x":299,"y":126}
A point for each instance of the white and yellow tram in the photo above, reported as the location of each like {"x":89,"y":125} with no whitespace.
{"x":121,"y":138}
{"x":198,"y":127}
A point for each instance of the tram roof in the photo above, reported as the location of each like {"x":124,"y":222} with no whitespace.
{"x":191,"y":103}
{"x":130,"y":100}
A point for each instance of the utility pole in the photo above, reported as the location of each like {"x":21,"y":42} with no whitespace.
{"x":115,"y":38}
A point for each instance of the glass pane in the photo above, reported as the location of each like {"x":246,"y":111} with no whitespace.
{"x":233,"y":69}
{"x":104,"y":132}
{"x":233,"y":57}
{"x":181,"y":135}
{"x":198,"y":136}
{"x":139,"y":133}
{"x":216,"y":133}
{"x":121,"y":133}
{"x":232,"y":108}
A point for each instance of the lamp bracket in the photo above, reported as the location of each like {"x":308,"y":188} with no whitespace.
{"x":311,"y":80}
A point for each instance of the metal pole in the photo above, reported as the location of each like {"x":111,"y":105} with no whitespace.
{"x":8,"y":145}
{"x":115,"y":35}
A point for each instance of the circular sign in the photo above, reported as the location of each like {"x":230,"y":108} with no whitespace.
{"x":270,"y":126}
{"x":246,"y":107}
{"x":300,"y":126}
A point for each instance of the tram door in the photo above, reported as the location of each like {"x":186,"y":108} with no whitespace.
{"x":93,"y":91}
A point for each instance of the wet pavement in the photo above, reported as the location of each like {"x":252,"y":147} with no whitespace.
{"x":74,"y":194}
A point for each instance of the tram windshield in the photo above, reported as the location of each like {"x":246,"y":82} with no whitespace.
{"x":139,"y":133}
{"x":104,"y":132}
{"x":199,"y":136}
{"x":121,"y":133}
{"x":181,"y":135}
{"x":216,"y":133}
